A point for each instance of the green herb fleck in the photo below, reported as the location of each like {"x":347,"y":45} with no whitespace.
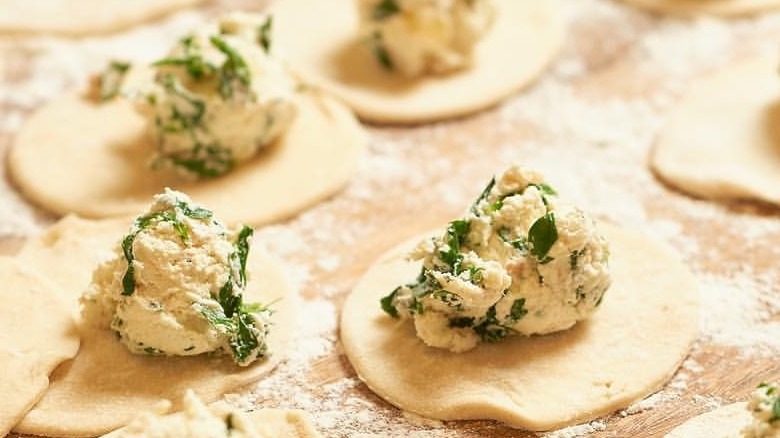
{"x":380,"y":51}
{"x":518,"y":310}
{"x":387,"y":303}
{"x":385,"y":9}
{"x":233,"y":70}
{"x":454,"y":238}
{"x":111,"y":79}
{"x":542,"y":236}
{"x":264,"y":34}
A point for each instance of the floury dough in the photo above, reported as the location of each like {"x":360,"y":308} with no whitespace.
{"x":38,"y":334}
{"x":81,"y":17}
{"x":724,"y":8}
{"x":333,"y":55}
{"x":105,"y":386}
{"x":722,"y":141}
{"x":723,"y":422}
{"x":628,"y":349}
{"x":78,"y":156}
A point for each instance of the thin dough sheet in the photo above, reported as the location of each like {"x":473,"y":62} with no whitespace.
{"x":331,"y":54}
{"x":627,"y":350}
{"x":81,"y":17}
{"x":37,"y":335}
{"x":76,"y":156}
{"x":722,"y":141}
{"x":105,"y":386}
{"x":723,"y":8}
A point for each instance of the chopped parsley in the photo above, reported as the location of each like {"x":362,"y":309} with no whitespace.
{"x":111,"y":79}
{"x":385,"y":9}
{"x":380,"y":51}
{"x":454,"y":238}
{"x":541,"y":236}
{"x":192,"y":60}
{"x":264,"y":34}
{"x":387,"y":303}
{"x":233,"y":70}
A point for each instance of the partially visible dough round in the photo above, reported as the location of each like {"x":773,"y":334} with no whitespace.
{"x":726,"y":421}
{"x":274,"y":423}
{"x":105,"y":386}
{"x":723,"y":8}
{"x":81,"y":17}
{"x":331,"y":55}
{"x":77,"y":156}
{"x":37,"y":335}
{"x":628,"y":349}
{"x":722,"y":141}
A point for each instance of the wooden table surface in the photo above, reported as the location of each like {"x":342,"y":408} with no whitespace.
{"x":589,"y":124}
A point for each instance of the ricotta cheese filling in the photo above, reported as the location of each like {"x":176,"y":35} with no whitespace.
{"x":521,"y":261}
{"x":764,"y":405}
{"x":175,"y":286}
{"x":217,"y":98}
{"x":195,"y":421}
{"x":419,"y":37}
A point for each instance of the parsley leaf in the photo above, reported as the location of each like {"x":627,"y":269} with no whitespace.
{"x":518,"y":310}
{"x":542,"y":236}
{"x":385,"y":9}
{"x":264,"y":34}
{"x":483,"y":196}
{"x":380,"y":51}
{"x":455,"y":235}
{"x":111,"y":79}
{"x":387,"y":303}
{"x":233,"y":69}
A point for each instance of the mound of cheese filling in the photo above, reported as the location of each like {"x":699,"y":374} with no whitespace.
{"x":764,"y":405}
{"x":195,"y":421}
{"x":418,"y":37}
{"x":520,"y":261}
{"x":175,"y":286}
{"x":217,"y":98}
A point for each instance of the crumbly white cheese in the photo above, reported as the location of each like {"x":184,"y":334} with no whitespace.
{"x":175,"y":284}
{"x":764,"y":404}
{"x":418,"y":37}
{"x":520,"y":261}
{"x":217,"y":98}
{"x":196,"y":421}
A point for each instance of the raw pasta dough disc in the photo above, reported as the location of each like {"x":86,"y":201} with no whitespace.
{"x":37,"y":335}
{"x":81,"y":17}
{"x":276,"y":423}
{"x":726,"y":421}
{"x":723,"y":139}
{"x":77,"y":156}
{"x":105,"y":386}
{"x":724,"y":8}
{"x":627,"y":350}
{"x":331,"y":54}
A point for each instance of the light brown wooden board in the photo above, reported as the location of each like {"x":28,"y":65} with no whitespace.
{"x":465,"y":148}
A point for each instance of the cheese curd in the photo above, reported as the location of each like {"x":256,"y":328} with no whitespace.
{"x":195,"y":421}
{"x":175,"y":284}
{"x":764,"y":404}
{"x":520,"y":261}
{"x":418,"y":37}
{"x":217,"y":98}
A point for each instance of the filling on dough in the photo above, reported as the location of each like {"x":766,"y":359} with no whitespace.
{"x":196,"y":421}
{"x":418,"y":37}
{"x":215,"y":100}
{"x":520,"y":261}
{"x":175,"y":286}
{"x":764,"y":405}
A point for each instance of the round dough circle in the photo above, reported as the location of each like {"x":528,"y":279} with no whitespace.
{"x":627,"y":350}
{"x":725,"y":421}
{"x":105,"y":385}
{"x":722,"y":140}
{"x":74,"y":155}
{"x":523,"y":41}
{"x":38,"y":334}
{"x":81,"y":17}
{"x":723,"y":8}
